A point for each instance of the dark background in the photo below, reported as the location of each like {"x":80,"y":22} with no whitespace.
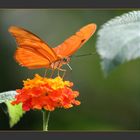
{"x":106,"y":103}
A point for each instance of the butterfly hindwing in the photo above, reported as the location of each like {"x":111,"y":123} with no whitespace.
{"x":32,"y":60}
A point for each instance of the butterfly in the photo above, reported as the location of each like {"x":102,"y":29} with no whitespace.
{"x":33,"y":52}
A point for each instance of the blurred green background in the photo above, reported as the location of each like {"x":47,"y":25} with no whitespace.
{"x":111,"y":103}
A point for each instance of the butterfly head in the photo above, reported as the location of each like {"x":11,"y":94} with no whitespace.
{"x":59,"y":63}
{"x":65,"y":60}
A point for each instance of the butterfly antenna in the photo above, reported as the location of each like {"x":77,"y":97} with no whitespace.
{"x":69,"y":66}
{"x":92,"y":53}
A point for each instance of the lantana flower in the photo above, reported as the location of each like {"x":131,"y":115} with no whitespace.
{"x":46,"y":93}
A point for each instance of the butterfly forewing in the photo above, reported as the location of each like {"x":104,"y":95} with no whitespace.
{"x":73,"y":43}
{"x":32,"y":52}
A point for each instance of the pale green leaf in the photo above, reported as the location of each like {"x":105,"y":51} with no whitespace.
{"x":119,"y":40}
{"x":15,"y":113}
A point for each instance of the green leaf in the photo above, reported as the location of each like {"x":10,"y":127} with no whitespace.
{"x":15,"y":113}
{"x":8,"y":95}
{"x":119,"y":40}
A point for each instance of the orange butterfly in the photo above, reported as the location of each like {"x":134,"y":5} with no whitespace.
{"x":34,"y":53}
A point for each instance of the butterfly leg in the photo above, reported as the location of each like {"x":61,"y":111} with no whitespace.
{"x":58,"y":68}
{"x":52,"y":73}
{"x":45,"y":72}
{"x":58,"y":74}
{"x":64,"y":72}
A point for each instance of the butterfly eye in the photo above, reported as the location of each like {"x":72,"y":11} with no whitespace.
{"x":65,"y":59}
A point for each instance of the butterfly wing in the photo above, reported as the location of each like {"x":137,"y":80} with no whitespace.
{"x":73,"y":43}
{"x":30,"y":59}
{"x":32,"y":52}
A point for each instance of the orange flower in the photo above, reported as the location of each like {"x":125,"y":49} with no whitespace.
{"x":46,"y":93}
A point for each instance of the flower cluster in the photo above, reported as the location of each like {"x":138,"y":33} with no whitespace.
{"x":46,"y":93}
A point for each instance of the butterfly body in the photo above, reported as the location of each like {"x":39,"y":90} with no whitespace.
{"x":59,"y":63}
{"x":34,"y":53}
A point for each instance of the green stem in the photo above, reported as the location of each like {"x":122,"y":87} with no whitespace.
{"x":46,"y":116}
